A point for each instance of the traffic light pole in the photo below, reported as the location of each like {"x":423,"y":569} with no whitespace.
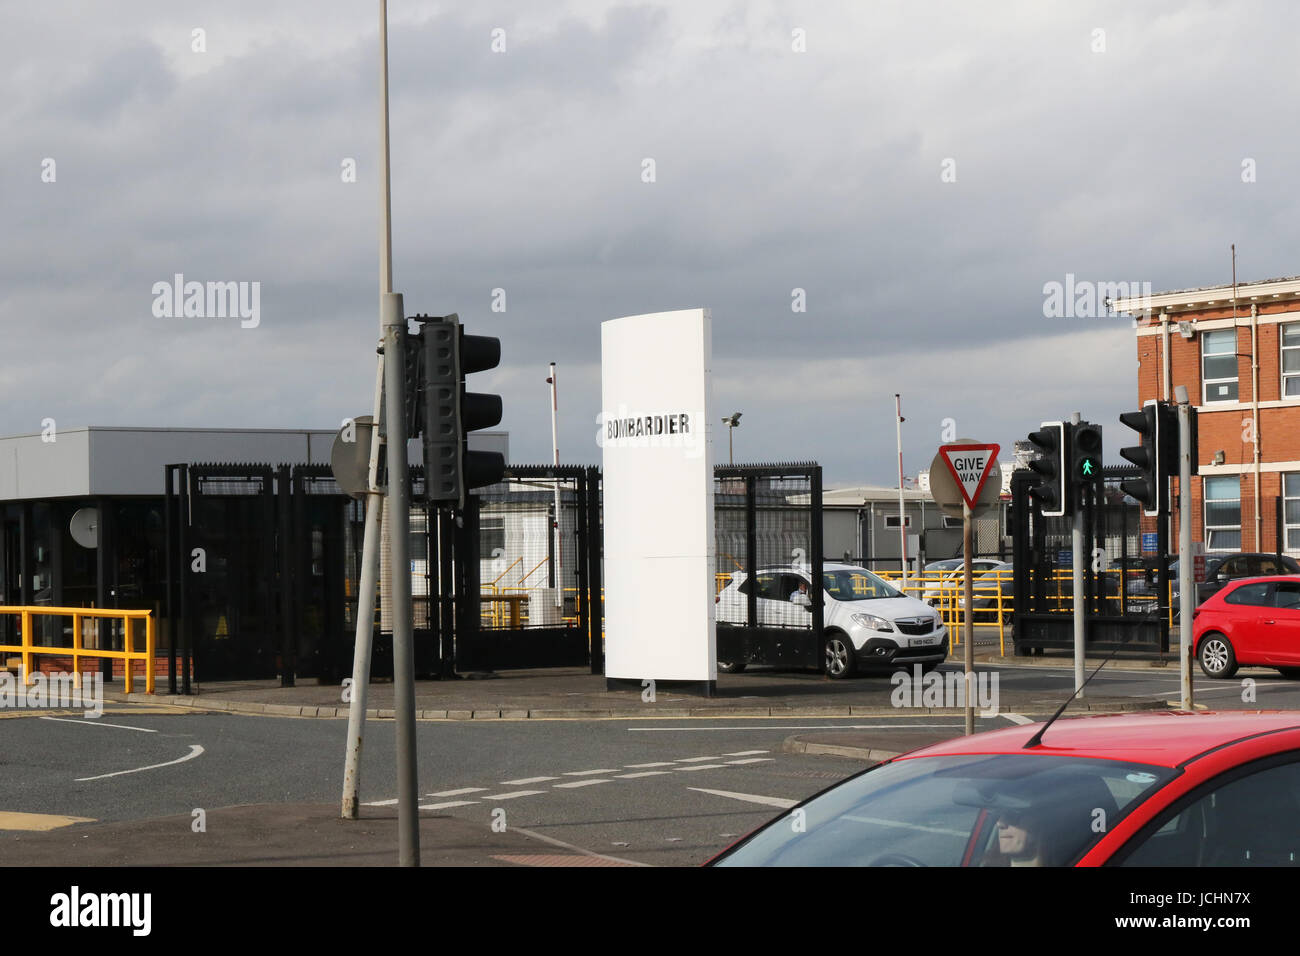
{"x":399,"y":547}
{"x":1187,"y":595}
{"x":1076,"y":550}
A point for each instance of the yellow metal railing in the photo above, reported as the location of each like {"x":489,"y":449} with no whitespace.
{"x":30,"y":651}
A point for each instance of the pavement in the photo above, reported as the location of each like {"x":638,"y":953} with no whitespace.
{"x":575,"y":693}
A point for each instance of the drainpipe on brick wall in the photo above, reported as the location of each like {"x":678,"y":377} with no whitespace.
{"x":1254,"y":407}
{"x":1164,"y":350}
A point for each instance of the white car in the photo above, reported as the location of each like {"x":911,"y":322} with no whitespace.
{"x":868,"y":625}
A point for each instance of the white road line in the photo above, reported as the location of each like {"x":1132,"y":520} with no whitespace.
{"x":643,"y":773}
{"x":580,"y":783}
{"x":657,"y":763}
{"x":577,"y":849}
{"x":745,"y":753}
{"x":589,"y":773}
{"x":1017,"y":718}
{"x":697,"y":759}
{"x":524,"y":780}
{"x":195,"y":750}
{"x":449,"y":803}
{"x":380,"y":803}
{"x":511,"y":795}
{"x":457,"y":793}
{"x":96,"y":722}
{"x":751,"y":760}
{"x":676,"y":730}
{"x":702,"y":766}
{"x":750,"y":798}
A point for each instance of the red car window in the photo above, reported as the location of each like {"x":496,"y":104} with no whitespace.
{"x":1253,"y":594}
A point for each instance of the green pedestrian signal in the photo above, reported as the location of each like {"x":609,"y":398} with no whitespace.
{"x":1087,"y":467}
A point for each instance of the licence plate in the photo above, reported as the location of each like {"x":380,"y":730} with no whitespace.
{"x":920,"y":642}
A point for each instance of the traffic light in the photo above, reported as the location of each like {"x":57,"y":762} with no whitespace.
{"x":1051,"y":466}
{"x":1085,"y":457}
{"x":451,"y":470}
{"x":1152,"y":487}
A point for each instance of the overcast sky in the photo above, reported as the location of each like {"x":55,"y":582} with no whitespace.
{"x":919,"y":169}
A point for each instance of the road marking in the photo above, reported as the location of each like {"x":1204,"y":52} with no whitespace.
{"x":750,"y":798}
{"x":457,"y":793}
{"x":796,"y":727}
{"x":643,"y":773}
{"x":702,"y":766}
{"x":589,"y":773}
{"x":449,"y":803}
{"x":380,"y":803}
{"x":751,"y":760}
{"x":657,"y":763}
{"x":512,"y":794}
{"x":195,"y":750}
{"x":576,"y":849}
{"x":524,"y":780}
{"x":697,"y":759}
{"x":38,"y":822}
{"x":95,"y":722}
{"x":1020,"y":719}
{"x":745,"y":753}
{"x":580,"y":783}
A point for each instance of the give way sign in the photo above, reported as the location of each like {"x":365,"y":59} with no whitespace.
{"x":969,"y":465}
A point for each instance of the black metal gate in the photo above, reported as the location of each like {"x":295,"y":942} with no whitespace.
{"x":768,"y":534}
{"x":530,"y":584}
{"x":1126,"y":586}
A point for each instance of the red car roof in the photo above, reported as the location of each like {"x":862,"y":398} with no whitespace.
{"x":1165,"y":738}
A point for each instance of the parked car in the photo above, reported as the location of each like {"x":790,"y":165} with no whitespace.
{"x":953,"y":570}
{"x":868,"y":625}
{"x":1251,"y":622}
{"x":1169,"y":789}
{"x":986,"y":588}
{"x":1220,"y":568}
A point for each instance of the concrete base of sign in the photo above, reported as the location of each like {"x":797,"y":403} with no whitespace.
{"x":701,"y":688}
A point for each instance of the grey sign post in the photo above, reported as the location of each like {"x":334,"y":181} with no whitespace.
{"x":966,"y":480}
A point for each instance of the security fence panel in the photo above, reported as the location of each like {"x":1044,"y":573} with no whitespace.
{"x":767,"y":566}
{"x":1126,"y":594}
{"x":532,"y":560}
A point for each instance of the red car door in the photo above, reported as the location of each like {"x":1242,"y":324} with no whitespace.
{"x":1285,"y":638}
{"x":1248,"y":606}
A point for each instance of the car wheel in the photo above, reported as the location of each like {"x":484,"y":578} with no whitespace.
{"x":839,"y":656}
{"x":1291,"y":673}
{"x":731,"y":667}
{"x":1216,"y":656}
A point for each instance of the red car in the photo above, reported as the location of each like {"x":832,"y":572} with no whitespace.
{"x":1148,"y":789}
{"x":1251,"y":622}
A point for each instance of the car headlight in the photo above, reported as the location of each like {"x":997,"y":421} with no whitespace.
{"x":873,"y":622}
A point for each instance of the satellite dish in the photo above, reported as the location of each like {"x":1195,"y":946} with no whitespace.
{"x":85,"y":527}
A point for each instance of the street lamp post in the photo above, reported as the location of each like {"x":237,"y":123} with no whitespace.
{"x":731,"y":423}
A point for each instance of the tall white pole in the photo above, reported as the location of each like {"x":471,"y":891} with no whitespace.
{"x":555,"y":448}
{"x":902,"y":514}
{"x":374,"y":499}
{"x":1076,"y":573}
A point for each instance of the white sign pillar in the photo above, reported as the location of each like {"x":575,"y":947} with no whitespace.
{"x":655,"y":431}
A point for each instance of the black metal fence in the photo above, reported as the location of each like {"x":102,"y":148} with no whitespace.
{"x":1125,"y":572}
{"x":768,"y":534}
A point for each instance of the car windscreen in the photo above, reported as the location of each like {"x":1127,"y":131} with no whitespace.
{"x":981,"y":810}
{"x":856,"y":584}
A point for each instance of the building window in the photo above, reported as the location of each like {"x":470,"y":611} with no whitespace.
{"x":1223,"y":514}
{"x":1219,"y":365}
{"x":1291,"y":360}
{"x":891,"y":521}
{"x":1291,"y":504}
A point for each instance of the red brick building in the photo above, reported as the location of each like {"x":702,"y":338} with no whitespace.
{"x":1238,"y":355}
